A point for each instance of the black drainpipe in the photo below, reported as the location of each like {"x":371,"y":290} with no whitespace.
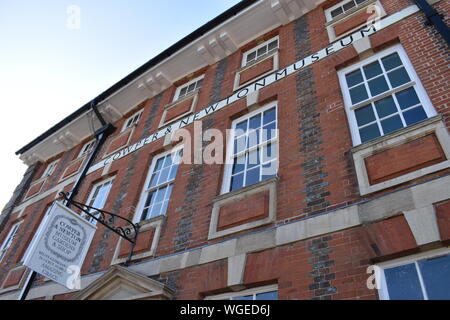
{"x":100,"y":135}
{"x":434,"y":18}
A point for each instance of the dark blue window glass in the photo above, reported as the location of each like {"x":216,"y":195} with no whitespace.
{"x":369,"y":132}
{"x":358,"y":94}
{"x":269,"y":115}
{"x":378,"y":85}
{"x":255,"y":122}
{"x":372,"y":70}
{"x":391,"y":61}
{"x":436,"y":277}
{"x":403,"y":283}
{"x":398,"y":77}
{"x":269,"y":131}
{"x":385,"y":107}
{"x":273,"y":295}
{"x":241,"y":127}
{"x":237,"y":181}
{"x":354,"y":78}
{"x":407,"y":98}
{"x":364,"y":115}
{"x":414,"y":115}
{"x":253,"y":159}
{"x":252,"y":176}
{"x":391,"y":124}
{"x":239,"y":164}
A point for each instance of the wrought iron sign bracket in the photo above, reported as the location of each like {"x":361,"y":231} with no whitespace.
{"x":107,"y":219}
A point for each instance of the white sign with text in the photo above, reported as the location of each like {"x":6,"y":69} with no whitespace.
{"x":60,"y":245}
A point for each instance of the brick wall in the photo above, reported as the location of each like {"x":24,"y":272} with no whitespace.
{"x":316,"y":172}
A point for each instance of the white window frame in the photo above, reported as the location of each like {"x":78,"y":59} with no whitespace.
{"x":7,"y":242}
{"x":132,"y":121}
{"x":177,"y":97}
{"x":415,"y":82}
{"x":146,"y":190}
{"x":50,"y":169}
{"x":255,"y":49}
{"x":91,"y":195}
{"x":247,"y":292}
{"x":230,"y":144}
{"x":381,"y":279}
{"x":87,"y":148}
{"x":341,"y":4}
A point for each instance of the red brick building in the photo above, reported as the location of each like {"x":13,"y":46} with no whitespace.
{"x":353,"y":183}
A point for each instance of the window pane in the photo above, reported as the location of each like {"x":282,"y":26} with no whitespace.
{"x":391,"y":124}
{"x":163,"y":177}
{"x":251,"y":56}
{"x":241,"y":128}
{"x":168,"y":192}
{"x":253,"y":138}
{"x":239,"y":164}
{"x":414,"y":115}
{"x":262,"y":51}
{"x":385,"y":107}
{"x":354,"y":78}
{"x":372,"y":70}
{"x":160,"y":195}
{"x":269,"y":116}
{"x":154,"y":180}
{"x":391,"y":61}
{"x":378,"y":85}
{"x":436,"y":276}
{"x":273,"y":45}
{"x":336,"y":12}
{"x":407,"y":98}
{"x":159,"y":164}
{"x":240,"y":144}
{"x":403,"y":283}
{"x":398,"y":77}
{"x":358,"y":94}
{"x":191,"y":87}
{"x":364,"y":115}
{"x":269,"y":131}
{"x":360,"y":1}
{"x":237,"y":181}
{"x":255,"y":122}
{"x":173,"y":172}
{"x":253,"y":159}
{"x":267,"y":153}
{"x":273,"y":295}
{"x":269,"y":170}
{"x":100,"y":199}
{"x":183,"y":91}
{"x":369,"y":132}
{"x":167,"y":161}
{"x":149,"y":199}
{"x":349,"y":5}
{"x":156,"y":210}
{"x":252,"y":176}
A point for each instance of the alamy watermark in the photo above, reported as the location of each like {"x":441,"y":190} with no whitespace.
{"x":73,"y":21}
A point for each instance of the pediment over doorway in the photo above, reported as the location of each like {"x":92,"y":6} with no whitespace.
{"x":119,"y":283}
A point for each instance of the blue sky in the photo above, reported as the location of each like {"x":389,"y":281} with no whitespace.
{"x":48,"y":70}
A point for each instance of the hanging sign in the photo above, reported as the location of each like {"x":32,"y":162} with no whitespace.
{"x":60,"y":245}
